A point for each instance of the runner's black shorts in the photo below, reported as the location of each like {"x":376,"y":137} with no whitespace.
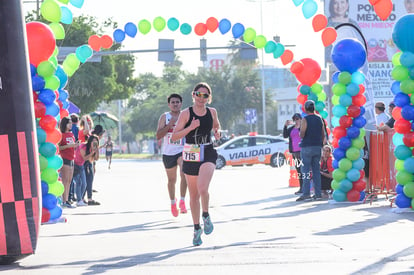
{"x":192,"y":168}
{"x":171,"y":161}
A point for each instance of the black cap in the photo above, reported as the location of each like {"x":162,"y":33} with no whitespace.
{"x":392,"y":104}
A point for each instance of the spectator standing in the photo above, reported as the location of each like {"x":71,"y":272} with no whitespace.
{"x":172,"y":152}
{"x":313,"y":137}
{"x":381,"y":116}
{"x":389,"y":125}
{"x":291,"y":130}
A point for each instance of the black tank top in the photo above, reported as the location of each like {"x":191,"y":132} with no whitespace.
{"x":201,"y":134}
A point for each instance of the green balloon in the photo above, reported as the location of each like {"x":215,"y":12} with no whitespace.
{"x":57,"y":30}
{"x":260,"y":41}
{"x":335,"y":100}
{"x":52,"y":82}
{"x":362,"y":133}
{"x":56,"y":188}
{"x":396,"y":59}
{"x":64,"y":1}
{"x":399,"y":164}
{"x":335,"y":184}
{"x":46,"y":68}
{"x":49,"y":175}
{"x":43,"y":162}
{"x":185,"y":28}
{"x":159,"y":23}
{"x":270,"y":46}
{"x":55,"y":162}
{"x":352,"y":153}
{"x":249,"y":35}
{"x":54,"y":60}
{"x":407,"y":86}
{"x":400,"y":73}
{"x":345,"y":164}
{"x":358,"y":143}
{"x":322,"y":96}
{"x":338,"y":175}
{"x":339,"y":89}
{"x":173,"y":24}
{"x":409,"y":189}
{"x":50,"y":10}
{"x":144,"y":26}
{"x":345,"y":78}
{"x":403,"y":177}
{"x":317,"y":88}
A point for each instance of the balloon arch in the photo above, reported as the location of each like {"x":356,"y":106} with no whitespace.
{"x":51,"y":99}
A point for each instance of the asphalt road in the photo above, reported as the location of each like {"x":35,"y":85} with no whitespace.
{"x":259,"y":229}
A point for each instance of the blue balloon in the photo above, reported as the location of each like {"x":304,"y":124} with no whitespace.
{"x":345,"y":143}
{"x":358,"y":164}
{"x":47,"y":149}
{"x":63,"y":77}
{"x":395,"y":87}
{"x":55,"y":213}
{"x":407,"y":112}
{"x":353,"y":132}
{"x":358,"y":77}
{"x":49,"y":201}
{"x":352,"y":89}
{"x":131,"y":29}
{"x":119,"y":35}
{"x":362,"y":108}
{"x":65,"y":104}
{"x":45,"y":188}
{"x":237,"y":30}
{"x":47,"y":96}
{"x":397,"y":139}
{"x":362,"y":196}
{"x":339,"y":154}
{"x":335,"y":77}
{"x":409,"y":164}
{"x":339,"y":196}
{"x":33,"y":70}
{"x":399,"y":189}
{"x":345,"y":185}
{"x":309,"y":8}
{"x":67,"y":17}
{"x":401,"y":99}
{"x":63,"y":95}
{"x":345,"y":100}
{"x":402,"y":152}
{"x":402,"y":33}
{"x":38,"y":83}
{"x":407,"y":59}
{"x":339,"y":110}
{"x":52,"y":109}
{"x":335,"y":121}
{"x":335,"y":164}
{"x":359,"y":121}
{"x":402,"y":201}
{"x":349,"y":55}
{"x":224,"y":26}
{"x":353,"y":174}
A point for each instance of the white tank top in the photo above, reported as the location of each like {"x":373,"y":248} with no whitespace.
{"x":170,"y":148}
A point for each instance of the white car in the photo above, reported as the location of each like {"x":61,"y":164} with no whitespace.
{"x":249,"y":150}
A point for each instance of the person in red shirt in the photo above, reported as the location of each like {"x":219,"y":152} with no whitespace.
{"x":326,"y":171}
{"x":67,"y":147}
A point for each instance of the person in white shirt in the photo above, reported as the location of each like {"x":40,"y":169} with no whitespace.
{"x":172,"y":151}
{"x":381,"y":116}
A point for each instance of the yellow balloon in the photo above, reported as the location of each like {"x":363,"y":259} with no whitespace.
{"x":249,"y":35}
{"x":50,"y":10}
{"x":260,"y":41}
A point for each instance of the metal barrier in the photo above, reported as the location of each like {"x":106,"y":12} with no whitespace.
{"x":382,"y":171}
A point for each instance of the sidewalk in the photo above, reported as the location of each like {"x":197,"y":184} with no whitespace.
{"x":259,"y":229}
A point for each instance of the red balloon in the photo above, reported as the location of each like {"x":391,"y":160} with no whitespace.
{"x":94,"y":42}
{"x":47,"y":123}
{"x":396,"y":113}
{"x":362,"y":174}
{"x":335,"y":142}
{"x":64,"y":113}
{"x":329,"y":36}
{"x":200,"y":29}
{"x":286,"y":57}
{"x":345,"y":121}
{"x":402,"y":126}
{"x":354,"y":111}
{"x":353,"y":195}
{"x":408,"y":139}
{"x":383,"y":8}
{"x":35,"y":96}
{"x":53,"y":136}
{"x":45,"y":215}
{"x":359,"y":185}
{"x":301,"y":98}
{"x":361,"y":89}
{"x":40,"y":109}
{"x":310,"y":73}
{"x":319,"y":22}
{"x":40,"y":41}
{"x":106,"y":41}
{"x":297,"y":68}
{"x":359,"y":100}
{"x":339,"y":132}
{"x":212,"y":24}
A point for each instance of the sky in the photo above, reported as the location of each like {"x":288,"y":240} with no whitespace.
{"x":267,"y":17}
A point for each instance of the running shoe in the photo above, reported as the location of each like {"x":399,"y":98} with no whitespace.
{"x":208,"y":225}
{"x":197,"y":237}
{"x":81,"y":203}
{"x":174,"y":210}
{"x":183,"y":210}
{"x":68,"y":205}
{"x":304,"y":198}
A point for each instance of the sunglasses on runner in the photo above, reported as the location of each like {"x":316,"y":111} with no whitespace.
{"x":200,"y":94}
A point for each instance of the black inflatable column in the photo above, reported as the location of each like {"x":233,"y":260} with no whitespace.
{"x":19,"y":169}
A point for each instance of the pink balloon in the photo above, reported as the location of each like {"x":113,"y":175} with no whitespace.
{"x":40,"y":41}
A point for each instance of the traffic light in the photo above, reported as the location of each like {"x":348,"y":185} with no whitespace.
{"x":248,"y":51}
{"x":203,"y":49}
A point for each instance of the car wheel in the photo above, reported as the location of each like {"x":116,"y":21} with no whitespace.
{"x":277,"y":160}
{"x":220,"y":162}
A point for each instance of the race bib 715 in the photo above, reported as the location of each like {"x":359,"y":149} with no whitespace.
{"x":193,"y":152}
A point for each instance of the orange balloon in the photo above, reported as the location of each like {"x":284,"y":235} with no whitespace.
{"x":53,"y":136}
{"x":200,"y":29}
{"x":396,"y":113}
{"x":319,"y":22}
{"x":94,"y":42}
{"x":287,"y":57}
{"x":383,"y":9}
{"x":329,"y":36}
{"x":212,"y":24}
{"x":301,"y":99}
{"x":106,"y":41}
